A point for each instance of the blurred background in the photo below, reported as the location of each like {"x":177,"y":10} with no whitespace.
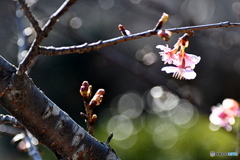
{"x":152,"y":115}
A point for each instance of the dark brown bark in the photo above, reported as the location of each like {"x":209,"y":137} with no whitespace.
{"x":45,"y":120}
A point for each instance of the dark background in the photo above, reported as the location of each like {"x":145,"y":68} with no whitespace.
{"x":127,"y":67}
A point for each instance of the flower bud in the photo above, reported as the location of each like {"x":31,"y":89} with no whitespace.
{"x":123,"y":30}
{"x":164,"y":18}
{"x":183,"y":41}
{"x":161,"y":21}
{"x":85,"y":90}
{"x":164,"y":34}
{"x":97,"y":98}
{"x":94,"y":119}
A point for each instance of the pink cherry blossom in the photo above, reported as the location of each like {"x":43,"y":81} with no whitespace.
{"x":231,"y":107}
{"x":180,"y":73}
{"x":188,"y":60}
{"x":184,"y":62}
{"x":220,"y":118}
{"x":224,"y":114}
{"x":168,"y":55}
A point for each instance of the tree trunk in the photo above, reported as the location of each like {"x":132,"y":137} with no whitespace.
{"x":45,"y":120}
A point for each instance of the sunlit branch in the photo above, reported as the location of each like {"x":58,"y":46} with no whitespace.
{"x":32,"y":149}
{"x":33,"y":51}
{"x":203,"y":27}
{"x":21,"y":36}
{"x":30,"y":16}
{"x":9,"y":119}
{"x":103,"y":43}
{"x":55,"y":16}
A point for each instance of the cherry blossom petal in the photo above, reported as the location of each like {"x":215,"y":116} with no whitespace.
{"x":164,"y":48}
{"x":170,"y":69}
{"x":214,"y":116}
{"x":180,"y":72}
{"x":188,"y":74}
{"x":195,"y":59}
{"x":231,"y":107}
{"x":167,"y":55}
{"x":191,"y":60}
{"x":168,"y":58}
{"x":224,"y":115}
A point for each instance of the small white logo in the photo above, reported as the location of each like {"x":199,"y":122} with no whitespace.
{"x":212,"y":153}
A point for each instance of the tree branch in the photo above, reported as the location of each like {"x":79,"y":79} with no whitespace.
{"x":100,"y":44}
{"x":226,"y":24}
{"x":33,"y":51}
{"x":55,"y":16}
{"x":45,"y":120}
{"x":32,"y":149}
{"x":30,"y":16}
{"x":9,"y":119}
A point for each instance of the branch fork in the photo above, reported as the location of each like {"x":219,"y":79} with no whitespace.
{"x":41,"y":33}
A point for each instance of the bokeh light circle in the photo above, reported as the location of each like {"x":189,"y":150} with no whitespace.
{"x":121,"y":126}
{"x":130,"y":105}
{"x":165,"y":136}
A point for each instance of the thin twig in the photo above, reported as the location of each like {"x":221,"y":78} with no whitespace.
{"x":21,"y":37}
{"x":9,"y":119}
{"x":30,"y":16}
{"x":55,"y":16}
{"x":109,"y":138}
{"x":100,"y":44}
{"x":226,"y":24}
{"x":32,"y":149}
{"x":88,"y":119}
{"x":33,"y":51}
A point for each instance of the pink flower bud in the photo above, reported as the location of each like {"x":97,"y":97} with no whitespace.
{"x":161,"y":21}
{"x":164,"y":18}
{"x":97,"y":98}
{"x":164,"y":34}
{"x":123,"y":30}
{"x":85,"y":90}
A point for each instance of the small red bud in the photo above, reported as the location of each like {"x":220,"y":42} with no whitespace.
{"x":164,"y":18}
{"x":123,"y":30}
{"x":85,"y":83}
{"x":120,"y":27}
{"x":161,"y":21}
{"x":164,"y":34}
{"x":94,"y":119}
{"x":86,"y":90}
{"x":100,"y":92}
{"x":97,"y":98}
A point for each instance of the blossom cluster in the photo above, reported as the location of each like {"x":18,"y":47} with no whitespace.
{"x":183,"y":62}
{"x":224,"y":114}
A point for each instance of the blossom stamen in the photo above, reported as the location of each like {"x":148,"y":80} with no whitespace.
{"x":178,"y":75}
{"x":184,"y":62}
